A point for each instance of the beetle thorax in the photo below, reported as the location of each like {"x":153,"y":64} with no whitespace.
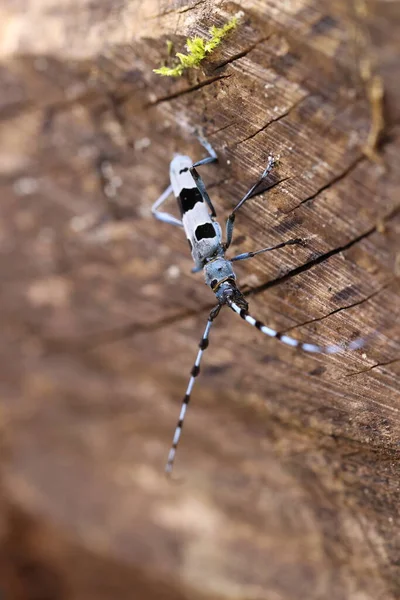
{"x":219,"y":275}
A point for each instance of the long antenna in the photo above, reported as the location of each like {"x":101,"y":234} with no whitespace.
{"x":331,"y":349}
{"x":194,"y":373}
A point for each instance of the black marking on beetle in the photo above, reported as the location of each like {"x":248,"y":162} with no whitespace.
{"x":259,"y":324}
{"x":243,"y":313}
{"x":203,"y":344}
{"x":183,"y":170}
{"x":214,"y":283}
{"x":195,"y":371}
{"x":205,"y":231}
{"x":188,"y":198}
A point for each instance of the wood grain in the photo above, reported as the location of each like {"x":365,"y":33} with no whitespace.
{"x":288,"y":462}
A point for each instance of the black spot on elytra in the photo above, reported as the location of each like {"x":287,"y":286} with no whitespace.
{"x":205,"y":231}
{"x":188,"y":198}
{"x":344,"y":294}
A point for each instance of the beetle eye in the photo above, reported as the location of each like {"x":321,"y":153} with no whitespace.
{"x":214,"y":282}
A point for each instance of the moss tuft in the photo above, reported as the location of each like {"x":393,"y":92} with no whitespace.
{"x":198,"y":48}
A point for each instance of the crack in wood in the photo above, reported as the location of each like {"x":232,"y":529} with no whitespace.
{"x":188,"y":8}
{"x":132,"y":329}
{"x":330,"y":183}
{"x":215,"y":131}
{"x":323,"y":257}
{"x":241,"y":54}
{"x":177,"y":11}
{"x":10,"y":111}
{"x":275,"y":120}
{"x":380,"y":364}
{"x":185,"y":91}
{"x":340,"y":309}
{"x":258,"y":192}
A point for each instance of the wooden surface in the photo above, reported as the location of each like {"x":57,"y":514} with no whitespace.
{"x":288,"y":462}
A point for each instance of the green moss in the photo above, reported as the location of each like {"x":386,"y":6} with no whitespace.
{"x":170,"y":47}
{"x":198,"y":48}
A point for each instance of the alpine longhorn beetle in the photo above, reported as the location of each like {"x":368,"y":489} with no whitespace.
{"x":204,"y":235}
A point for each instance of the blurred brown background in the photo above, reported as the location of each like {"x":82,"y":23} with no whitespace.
{"x":288,"y":466}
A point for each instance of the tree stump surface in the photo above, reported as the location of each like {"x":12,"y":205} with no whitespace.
{"x":288,"y":465}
